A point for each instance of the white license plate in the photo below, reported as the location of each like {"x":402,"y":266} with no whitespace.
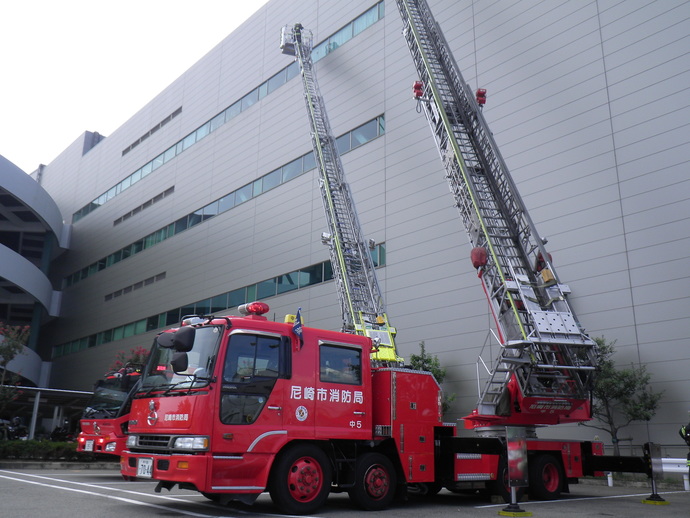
{"x":88,"y":445}
{"x":144,"y":467}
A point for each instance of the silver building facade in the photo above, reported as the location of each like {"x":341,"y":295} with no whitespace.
{"x":207,"y":196}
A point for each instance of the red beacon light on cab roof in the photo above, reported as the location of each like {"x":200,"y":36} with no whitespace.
{"x":253,"y":308}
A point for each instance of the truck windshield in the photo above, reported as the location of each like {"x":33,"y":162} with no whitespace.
{"x":108,"y":398}
{"x":200,"y":360}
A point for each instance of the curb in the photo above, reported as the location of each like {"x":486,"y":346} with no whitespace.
{"x":663,"y":485}
{"x":48,"y":465}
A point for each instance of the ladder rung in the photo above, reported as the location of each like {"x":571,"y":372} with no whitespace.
{"x":516,"y":361}
{"x":566,"y":367}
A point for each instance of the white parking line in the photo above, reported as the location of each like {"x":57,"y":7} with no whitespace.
{"x":97,"y":486}
{"x":180,"y":499}
{"x":110,"y":497}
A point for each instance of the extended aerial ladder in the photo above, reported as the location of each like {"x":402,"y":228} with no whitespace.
{"x":546,"y":363}
{"x":359,"y":293}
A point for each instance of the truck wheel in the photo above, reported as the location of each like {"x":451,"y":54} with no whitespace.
{"x":375,"y":482}
{"x":300,"y":479}
{"x":545,"y":477}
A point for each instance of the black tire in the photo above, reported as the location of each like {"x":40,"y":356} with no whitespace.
{"x":501,"y":485}
{"x":375,"y":482}
{"x":300,"y":479}
{"x":546,"y":477}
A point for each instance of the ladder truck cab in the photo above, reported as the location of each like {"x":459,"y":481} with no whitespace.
{"x":236,"y":406}
{"x":104,"y":421}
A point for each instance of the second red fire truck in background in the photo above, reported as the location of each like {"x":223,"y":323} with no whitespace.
{"x":105,"y":419}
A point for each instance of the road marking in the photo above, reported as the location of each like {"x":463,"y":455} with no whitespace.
{"x":579,"y":499}
{"x":97,"y":486}
{"x":180,"y":499}
{"x":111,"y":497}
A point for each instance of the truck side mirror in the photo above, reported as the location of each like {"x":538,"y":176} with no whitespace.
{"x":181,"y":340}
{"x":179,"y":362}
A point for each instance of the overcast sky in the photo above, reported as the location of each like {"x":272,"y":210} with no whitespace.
{"x":69,"y":66}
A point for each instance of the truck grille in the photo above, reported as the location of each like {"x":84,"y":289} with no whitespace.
{"x":154,"y":442}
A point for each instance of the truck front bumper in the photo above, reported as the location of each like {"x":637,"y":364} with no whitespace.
{"x":220,"y":474}
{"x":182,"y":469}
{"x":92,"y":443}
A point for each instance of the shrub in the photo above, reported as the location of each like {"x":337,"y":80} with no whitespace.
{"x":38,"y":450}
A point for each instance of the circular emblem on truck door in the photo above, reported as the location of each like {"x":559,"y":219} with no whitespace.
{"x":301,"y":413}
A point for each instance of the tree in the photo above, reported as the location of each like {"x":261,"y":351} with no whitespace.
{"x":12,"y":341}
{"x":137,"y":356}
{"x":430,"y":363}
{"x":620,"y":396}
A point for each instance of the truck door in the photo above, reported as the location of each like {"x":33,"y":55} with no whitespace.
{"x":249,"y":418}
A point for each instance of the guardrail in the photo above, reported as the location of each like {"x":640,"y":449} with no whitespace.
{"x":678,"y":466}
{"x":669,"y":466}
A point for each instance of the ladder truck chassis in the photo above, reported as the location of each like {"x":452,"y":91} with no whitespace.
{"x":236,"y":406}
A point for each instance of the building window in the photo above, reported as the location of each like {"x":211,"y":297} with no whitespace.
{"x":369,"y":130}
{"x":297,"y":279}
{"x":343,"y":35}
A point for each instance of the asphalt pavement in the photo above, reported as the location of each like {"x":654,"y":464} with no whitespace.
{"x":88,"y":489}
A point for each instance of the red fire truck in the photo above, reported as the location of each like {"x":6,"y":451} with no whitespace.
{"x":236,"y":406}
{"x":106,"y":417}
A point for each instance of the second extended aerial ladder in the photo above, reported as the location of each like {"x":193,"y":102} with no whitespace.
{"x":546,"y":363}
{"x":359,"y":293}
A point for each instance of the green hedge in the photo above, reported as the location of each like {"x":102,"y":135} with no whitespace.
{"x":39,"y":450}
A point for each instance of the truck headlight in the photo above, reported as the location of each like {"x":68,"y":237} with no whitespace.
{"x":131,"y":441}
{"x":191,"y":443}
{"x":110,"y":446}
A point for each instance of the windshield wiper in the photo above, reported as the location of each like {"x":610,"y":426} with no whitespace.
{"x":167,"y":389}
{"x":191,"y":383}
{"x":96,"y":413}
{"x":141,"y":393}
